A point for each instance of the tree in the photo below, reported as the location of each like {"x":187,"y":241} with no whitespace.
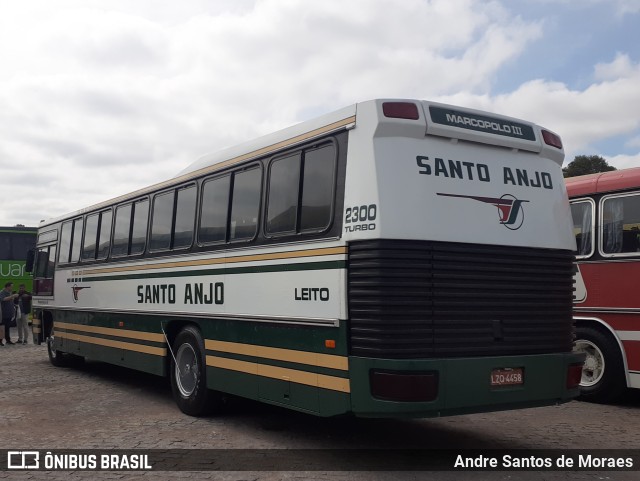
{"x":587,"y":164}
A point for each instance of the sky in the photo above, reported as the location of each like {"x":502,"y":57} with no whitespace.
{"x":102,"y":97}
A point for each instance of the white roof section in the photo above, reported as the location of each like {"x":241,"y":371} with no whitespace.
{"x":288,"y":137}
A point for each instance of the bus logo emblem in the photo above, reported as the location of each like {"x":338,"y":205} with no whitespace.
{"x":510,"y":211}
{"x":75,"y":289}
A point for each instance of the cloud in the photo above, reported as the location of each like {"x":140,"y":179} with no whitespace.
{"x":583,"y":118}
{"x":98,"y":98}
{"x":101,"y":98}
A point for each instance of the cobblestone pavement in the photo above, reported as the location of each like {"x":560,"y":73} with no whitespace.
{"x":97,"y":406}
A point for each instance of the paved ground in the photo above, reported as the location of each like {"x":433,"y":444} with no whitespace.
{"x":96,"y":406}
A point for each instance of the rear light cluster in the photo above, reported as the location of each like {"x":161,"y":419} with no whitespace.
{"x":552,"y":139}
{"x":403,"y":386}
{"x":400,"y":110}
{"x":574,"y":376}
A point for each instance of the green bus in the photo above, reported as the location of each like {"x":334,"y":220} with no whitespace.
{"x":15,"y":244}
{"x":392,"y":258}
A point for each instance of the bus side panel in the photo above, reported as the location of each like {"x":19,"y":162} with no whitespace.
{"x":122,"y":339}
{"x":284,"y":364}
{"x":611,"y":284}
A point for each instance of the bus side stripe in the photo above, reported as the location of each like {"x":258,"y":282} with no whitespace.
{"x":283,"y":374}
{"x":330,"y":361}
{"x":225,"y":260}
{"x":143,"y":336}
{"x":156,"y":351}
{"x":307,"y":266}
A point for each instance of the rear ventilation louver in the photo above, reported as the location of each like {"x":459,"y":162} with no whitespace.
{"x":421,"y":299}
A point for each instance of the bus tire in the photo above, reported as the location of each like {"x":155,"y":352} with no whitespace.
{"x":603,"y":378}
{"x":57,"y":358}
{"x":188,"y":374}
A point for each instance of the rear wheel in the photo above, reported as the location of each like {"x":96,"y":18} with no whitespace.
{"x":188,"y":374}
{"x":603,"y":378}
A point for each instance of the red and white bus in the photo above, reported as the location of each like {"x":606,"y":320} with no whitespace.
{"x":606,"y":223}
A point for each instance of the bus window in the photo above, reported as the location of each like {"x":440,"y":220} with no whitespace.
{"x":70,"y":241}
{"x":76,"y":236}
{"x":621,"y":225}
{"x":582,"y":214}
{"x":284,"y":183}
{"x":291,"y":211}
{"x":245,"y":204}
{"x":90,"y":234}
{"x":65,"y":242}
{"x":121,"y":231}
{"x":161,"y":222}
{"x":185,"y":217}
{"x":317,"y":188}
{"x":97,"y":236}
{"x":215,"y":210}
{"x":104,"y":240}
{"x":140,"y":224}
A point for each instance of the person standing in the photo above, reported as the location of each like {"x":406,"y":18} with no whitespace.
{"x":8,"y":309}
{"x":24,"y":308}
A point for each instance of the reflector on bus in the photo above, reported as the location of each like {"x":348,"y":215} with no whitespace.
{"x":552,"y":139}
{"x":400,"y":110}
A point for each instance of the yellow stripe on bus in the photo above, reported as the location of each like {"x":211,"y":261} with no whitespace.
{"x":143,"y":336}
{"x":156,"y":351}
{"x":327,"y":251}
{"x":274,"y":372}
{"x":303,"y":357}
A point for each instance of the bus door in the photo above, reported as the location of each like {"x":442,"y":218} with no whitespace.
{"x":43,"y":277}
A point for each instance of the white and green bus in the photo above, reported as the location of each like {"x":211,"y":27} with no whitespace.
{"x":393,"y":258}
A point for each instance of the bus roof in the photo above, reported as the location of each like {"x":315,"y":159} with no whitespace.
{"x":603,"y":182}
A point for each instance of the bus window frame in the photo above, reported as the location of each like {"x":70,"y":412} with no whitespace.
{"x":246,"y":168}
{"x":213,"y":178}
{"x":72,"y":239}
{"x":47,"y":237}
{"x":132,"y":204}
{"x":608,"y":255}
{"x":152,"y":207}
{"x":301,"y":154}
{"x":592,"y":233}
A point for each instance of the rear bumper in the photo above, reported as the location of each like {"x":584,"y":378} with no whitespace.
{"x":463,"y":385}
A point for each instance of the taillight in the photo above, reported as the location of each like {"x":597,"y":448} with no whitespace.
{"x":400,"y":110}
{"x":552,"y":139}
{"x":574,"y":376}
{"x":404,"y":386}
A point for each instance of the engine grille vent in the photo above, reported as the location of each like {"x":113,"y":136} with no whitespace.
{"x":422,"y":299}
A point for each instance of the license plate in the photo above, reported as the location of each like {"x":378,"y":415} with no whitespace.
{"x":509,"y":376}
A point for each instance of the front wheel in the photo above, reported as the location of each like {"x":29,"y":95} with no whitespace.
{"x":188,"y":374}
{"x":57,"y":358}
{"x":603,"y":377}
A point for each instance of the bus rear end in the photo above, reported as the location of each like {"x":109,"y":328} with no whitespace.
{"x":460,"y":262}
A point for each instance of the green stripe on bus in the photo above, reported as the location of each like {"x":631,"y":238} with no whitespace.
{"x":307,"y":266}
